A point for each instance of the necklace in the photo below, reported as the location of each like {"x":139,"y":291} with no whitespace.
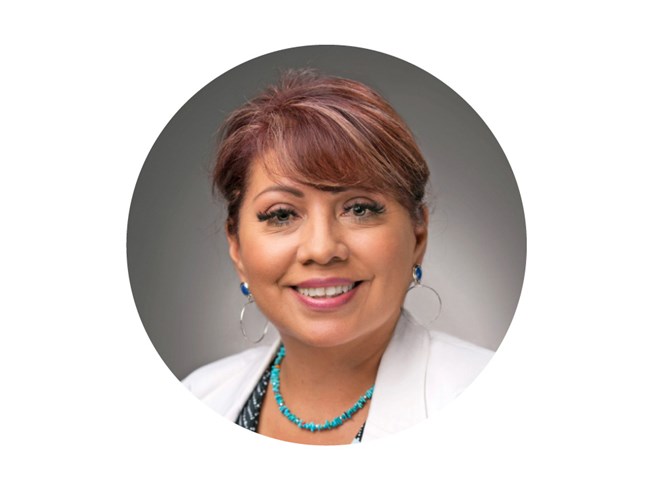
{"x":311,"y":426}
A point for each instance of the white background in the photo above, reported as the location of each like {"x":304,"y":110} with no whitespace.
{"x":86,"y":89}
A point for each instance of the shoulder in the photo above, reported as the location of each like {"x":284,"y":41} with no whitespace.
{"x":209,"y":376}
{"x":452,"y":350}
{"x":452,"y":364}
{"x":224,"y":385}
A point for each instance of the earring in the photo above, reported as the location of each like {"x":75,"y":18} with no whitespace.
{"x":420,"y":299}
{"x":243,"y":286}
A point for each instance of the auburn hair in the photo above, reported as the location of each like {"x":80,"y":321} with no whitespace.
{"x":321,"y":131}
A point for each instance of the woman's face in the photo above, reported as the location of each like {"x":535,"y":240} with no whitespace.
{"x":326,"y":267}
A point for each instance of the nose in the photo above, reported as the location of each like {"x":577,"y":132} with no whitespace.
{"x":322,"y":241}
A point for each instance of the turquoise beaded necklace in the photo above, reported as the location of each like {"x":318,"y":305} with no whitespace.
{"x":311,"y":426}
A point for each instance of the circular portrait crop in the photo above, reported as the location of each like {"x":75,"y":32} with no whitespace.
{"x":326,"y":245}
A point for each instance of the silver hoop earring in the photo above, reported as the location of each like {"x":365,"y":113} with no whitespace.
{"x":250,"y":300}
{"x":421,"y":301}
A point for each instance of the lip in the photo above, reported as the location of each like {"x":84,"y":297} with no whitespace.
{"x":325,"y":282}
{"x":326,"y":304}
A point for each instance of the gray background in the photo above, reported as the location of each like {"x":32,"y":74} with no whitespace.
{"x":183,"y":283}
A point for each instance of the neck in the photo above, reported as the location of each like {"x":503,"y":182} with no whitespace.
{"x":344,"y":370}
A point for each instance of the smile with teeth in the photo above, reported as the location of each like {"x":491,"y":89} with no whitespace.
{"x":325,"y":292}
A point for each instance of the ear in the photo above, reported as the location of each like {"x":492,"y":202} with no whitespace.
{"x":421,"y":235}
{"x":235,"y":254}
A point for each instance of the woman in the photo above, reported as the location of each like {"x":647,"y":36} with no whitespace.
{"x":327,"y":228}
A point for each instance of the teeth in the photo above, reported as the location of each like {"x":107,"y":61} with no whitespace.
{"x":330,"y":291}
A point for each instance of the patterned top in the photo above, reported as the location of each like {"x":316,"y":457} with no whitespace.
{"x":249,"y":417}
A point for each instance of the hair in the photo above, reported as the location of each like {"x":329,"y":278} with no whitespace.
{"x":321,"y":131}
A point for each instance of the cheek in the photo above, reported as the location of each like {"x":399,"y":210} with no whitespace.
{"x":266,"y":259}
{"x":390,"y":251}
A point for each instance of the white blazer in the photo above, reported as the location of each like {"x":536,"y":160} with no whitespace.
{"x":419,"y":373}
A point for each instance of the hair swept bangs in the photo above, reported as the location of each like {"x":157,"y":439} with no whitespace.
{"x":323,"y":132}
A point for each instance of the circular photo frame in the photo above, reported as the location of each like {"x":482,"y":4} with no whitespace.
{"x":185,"y":286}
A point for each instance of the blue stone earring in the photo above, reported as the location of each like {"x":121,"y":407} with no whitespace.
{"x":243,"y":286}
{"x":417,"y":274}
{"x":423,"y":302}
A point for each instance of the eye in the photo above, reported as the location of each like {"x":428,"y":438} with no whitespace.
{"x":282,"y":215}
{"x":363,"y":209}
{"x":278,"y":216}
{"x":359,"y":210}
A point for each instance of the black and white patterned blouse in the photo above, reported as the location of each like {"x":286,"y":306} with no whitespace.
{"x":249,"y":417}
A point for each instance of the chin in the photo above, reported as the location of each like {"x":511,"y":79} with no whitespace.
{"x":324,"y":334}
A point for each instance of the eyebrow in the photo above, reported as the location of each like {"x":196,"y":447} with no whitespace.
{"x":281,"y":188}
{"x":294,"y":191}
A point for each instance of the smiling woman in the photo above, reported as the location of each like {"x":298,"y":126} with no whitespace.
{"x":290,"y":249}
{"x":327,"y":228}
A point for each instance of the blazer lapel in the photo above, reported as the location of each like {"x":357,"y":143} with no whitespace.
{"x":238,"y":396}
{"x":398,"y":401}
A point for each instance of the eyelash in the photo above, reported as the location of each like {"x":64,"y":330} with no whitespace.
{"x":273,"y":217}
{"x":282,"y":216}
{"x":373,"y":207}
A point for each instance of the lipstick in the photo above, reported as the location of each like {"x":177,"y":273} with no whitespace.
{"x":325,"y":294}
